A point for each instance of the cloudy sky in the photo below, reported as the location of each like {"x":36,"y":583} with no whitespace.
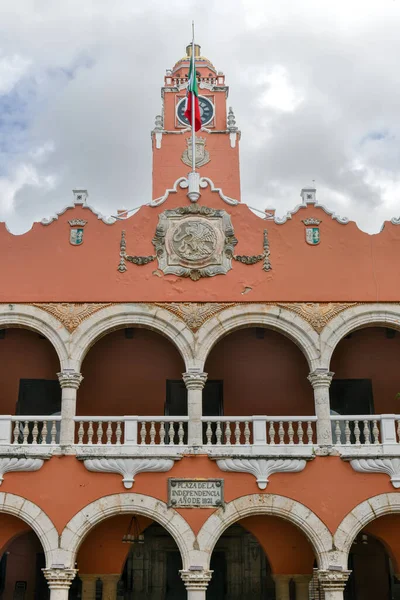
{"x":315,"y":85}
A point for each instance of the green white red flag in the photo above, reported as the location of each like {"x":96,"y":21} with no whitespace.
{"x":192,"y":96}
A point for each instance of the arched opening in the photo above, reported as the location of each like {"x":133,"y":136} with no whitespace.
{"x":365,"y":366}
{"x":146,"y":568}
{"x":30,"y":387}
{"x":261,"y":372}
{"x":21,"y":563}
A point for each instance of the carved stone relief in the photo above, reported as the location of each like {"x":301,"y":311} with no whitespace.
{"x":194,"y":313}
{"x":315,"y":313}
{"x":202,"y":155}
{"x":71,"y":315}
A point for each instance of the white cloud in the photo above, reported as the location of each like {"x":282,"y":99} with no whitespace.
{"x":12,"y":69}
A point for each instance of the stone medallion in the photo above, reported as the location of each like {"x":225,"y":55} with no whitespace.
{"x":194,"y":241}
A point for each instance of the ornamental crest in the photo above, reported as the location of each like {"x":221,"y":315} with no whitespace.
{"x":202,"y":156}
{"x":76,"y":232}
{"x":194,"y":241}
{"x":312,"y":231}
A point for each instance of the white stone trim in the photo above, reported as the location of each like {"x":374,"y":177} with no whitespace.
{"x":273,"y":505}
{"x":86,"y":519}
{"x":143,"y":315}
{"x":253,"y":315}
{"x":11,"y":464}
{"x":360,"y":516}
{"x":128,"y":467}
{"x":356,"y":317}
{"x":26,"y":316}
{"x":262,"y":468}
{"x":389,"y":466}
{"x":36,"y":518}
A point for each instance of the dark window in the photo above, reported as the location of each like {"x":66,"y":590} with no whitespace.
{"x":38,"y":397}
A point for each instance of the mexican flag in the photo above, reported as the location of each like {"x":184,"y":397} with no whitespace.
{"x":192,"y":95}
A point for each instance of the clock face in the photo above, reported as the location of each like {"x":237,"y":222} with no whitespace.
{"x":206,"y":111}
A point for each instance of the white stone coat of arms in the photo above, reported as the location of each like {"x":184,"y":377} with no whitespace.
{"x":76,"y":232}
{"x":202,"y":155}
{"x":313,"y":236}
{"x":194,"y":241}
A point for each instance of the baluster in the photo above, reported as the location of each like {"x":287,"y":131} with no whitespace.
{"x":162,"y":433}
{"x":171,"y":433}
{"x":35,"y":432}
{"x":338,"y":434}
{"x":300,"y":432}
{"x":26,"y":432}
{"x":181,"y":433}
{"x":237,"y":433}
{"x":118,"y":433}
{"x":81,"y":431}
{"x":366,"y":433}
{"x":281,"y":433}
{"x":272,"y":433}
{"x":53,"y":432}
{"x":218,"y":433}
{"x":152,"y":433}
{"x":375,"y":431}
{"x":357,"y":432}
{"x":143,"y":433}
{"x":228,"y":433}
{"x":209,"y":433}
{"x":310,"y":432}
{"x":291,"y":433}
{"x":246,"y":432}
{"x":100,"y":432}
{"x":44,"y":433}
{"x":90,"y":433}
{"x":347,"y":432}
{"x":109,"y":433}
{"x":16,"y":432}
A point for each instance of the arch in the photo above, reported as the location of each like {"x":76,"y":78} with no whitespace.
{"x":270,"y":505}
{"x":277,"y":318}
{"x":36,"y":518}
{"x":360,"y":516}
{"x":140,"y":315}
{"x":79,"y":526}
{"x":33,"y":318}
{"x":357,"y":317}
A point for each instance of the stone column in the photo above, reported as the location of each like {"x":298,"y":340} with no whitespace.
{"x":88,"y":586}
{"x":195,"y":381}
{"x":59,"y":582}
{"x":302,"y":586}
{"x":282,"y":586}
{"x":333,"y":583}
{"x":70,"y":381}
{"x":196,"y":583}
{"x":321,"y":379}
{"x":110,"y":582}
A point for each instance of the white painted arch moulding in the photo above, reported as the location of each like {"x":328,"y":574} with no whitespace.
{"x":360,"y":516}
{"x":30,"y":317}
{"x":353,"y":318}
{"x":269,"y":505}
{"x":36,"y":518}
{"x":277,"y":318}
{"x":91,"y":515}
{"x":143,"y":315}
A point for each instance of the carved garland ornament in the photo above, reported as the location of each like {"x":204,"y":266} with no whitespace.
{"x":71,"y":315}
{"x":195,"y":314}
{"x":317,"y":314}
{"x":136,"y":260}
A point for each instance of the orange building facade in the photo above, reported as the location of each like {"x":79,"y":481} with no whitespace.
{"x":199,"y":401}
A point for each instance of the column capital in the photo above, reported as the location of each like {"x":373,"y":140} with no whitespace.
{"x":302,"y":578}
{"x":196,"y":580}
{"x":281,"y":577}
{"x":70,"y":379}
{"x":333,"y":580}
{"x":195,"y":379}
{"x":59,"y":579}
{"x":320,"y":378}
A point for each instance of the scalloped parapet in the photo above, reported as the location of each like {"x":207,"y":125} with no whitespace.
{"x":80,"y":197}
{"x":309,"y":198}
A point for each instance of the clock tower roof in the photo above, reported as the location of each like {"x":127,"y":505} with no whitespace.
{"x":201,"y":61}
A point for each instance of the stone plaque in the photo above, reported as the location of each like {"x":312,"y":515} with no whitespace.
{"x":195,"y":493}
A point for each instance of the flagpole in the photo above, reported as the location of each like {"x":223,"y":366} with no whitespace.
{"x":193,"y":103}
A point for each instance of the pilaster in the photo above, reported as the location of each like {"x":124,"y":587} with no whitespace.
{"x":110,"y":582}
{"x":196,"y":583}
{"x":59,"y":582}
{"x":70,"y":381}
{"x":282,"y":586}
{"x":195,"y":381}
{"x":321,"y":379}
{"x":333,"y":583}
{"x":88,"y":586}
{"x":302,"y":586}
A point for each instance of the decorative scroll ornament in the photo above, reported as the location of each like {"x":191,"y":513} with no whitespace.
{"x":124,"y":257}
{"x":19,"y":464}
{"x":390,"y":466}
{"x":71,"y":315}
{"x":252,"y":260}
{"x":262,"y":468}
{"x":316,"y":314}
{"x":195,"y":314}
{"x":194,"y":241}
{"x":202,"y":155}
{"x":128,"y":467}
{"x":313,"y":235}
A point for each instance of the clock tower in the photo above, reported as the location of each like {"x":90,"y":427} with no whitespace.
{"x":217,"y":143}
